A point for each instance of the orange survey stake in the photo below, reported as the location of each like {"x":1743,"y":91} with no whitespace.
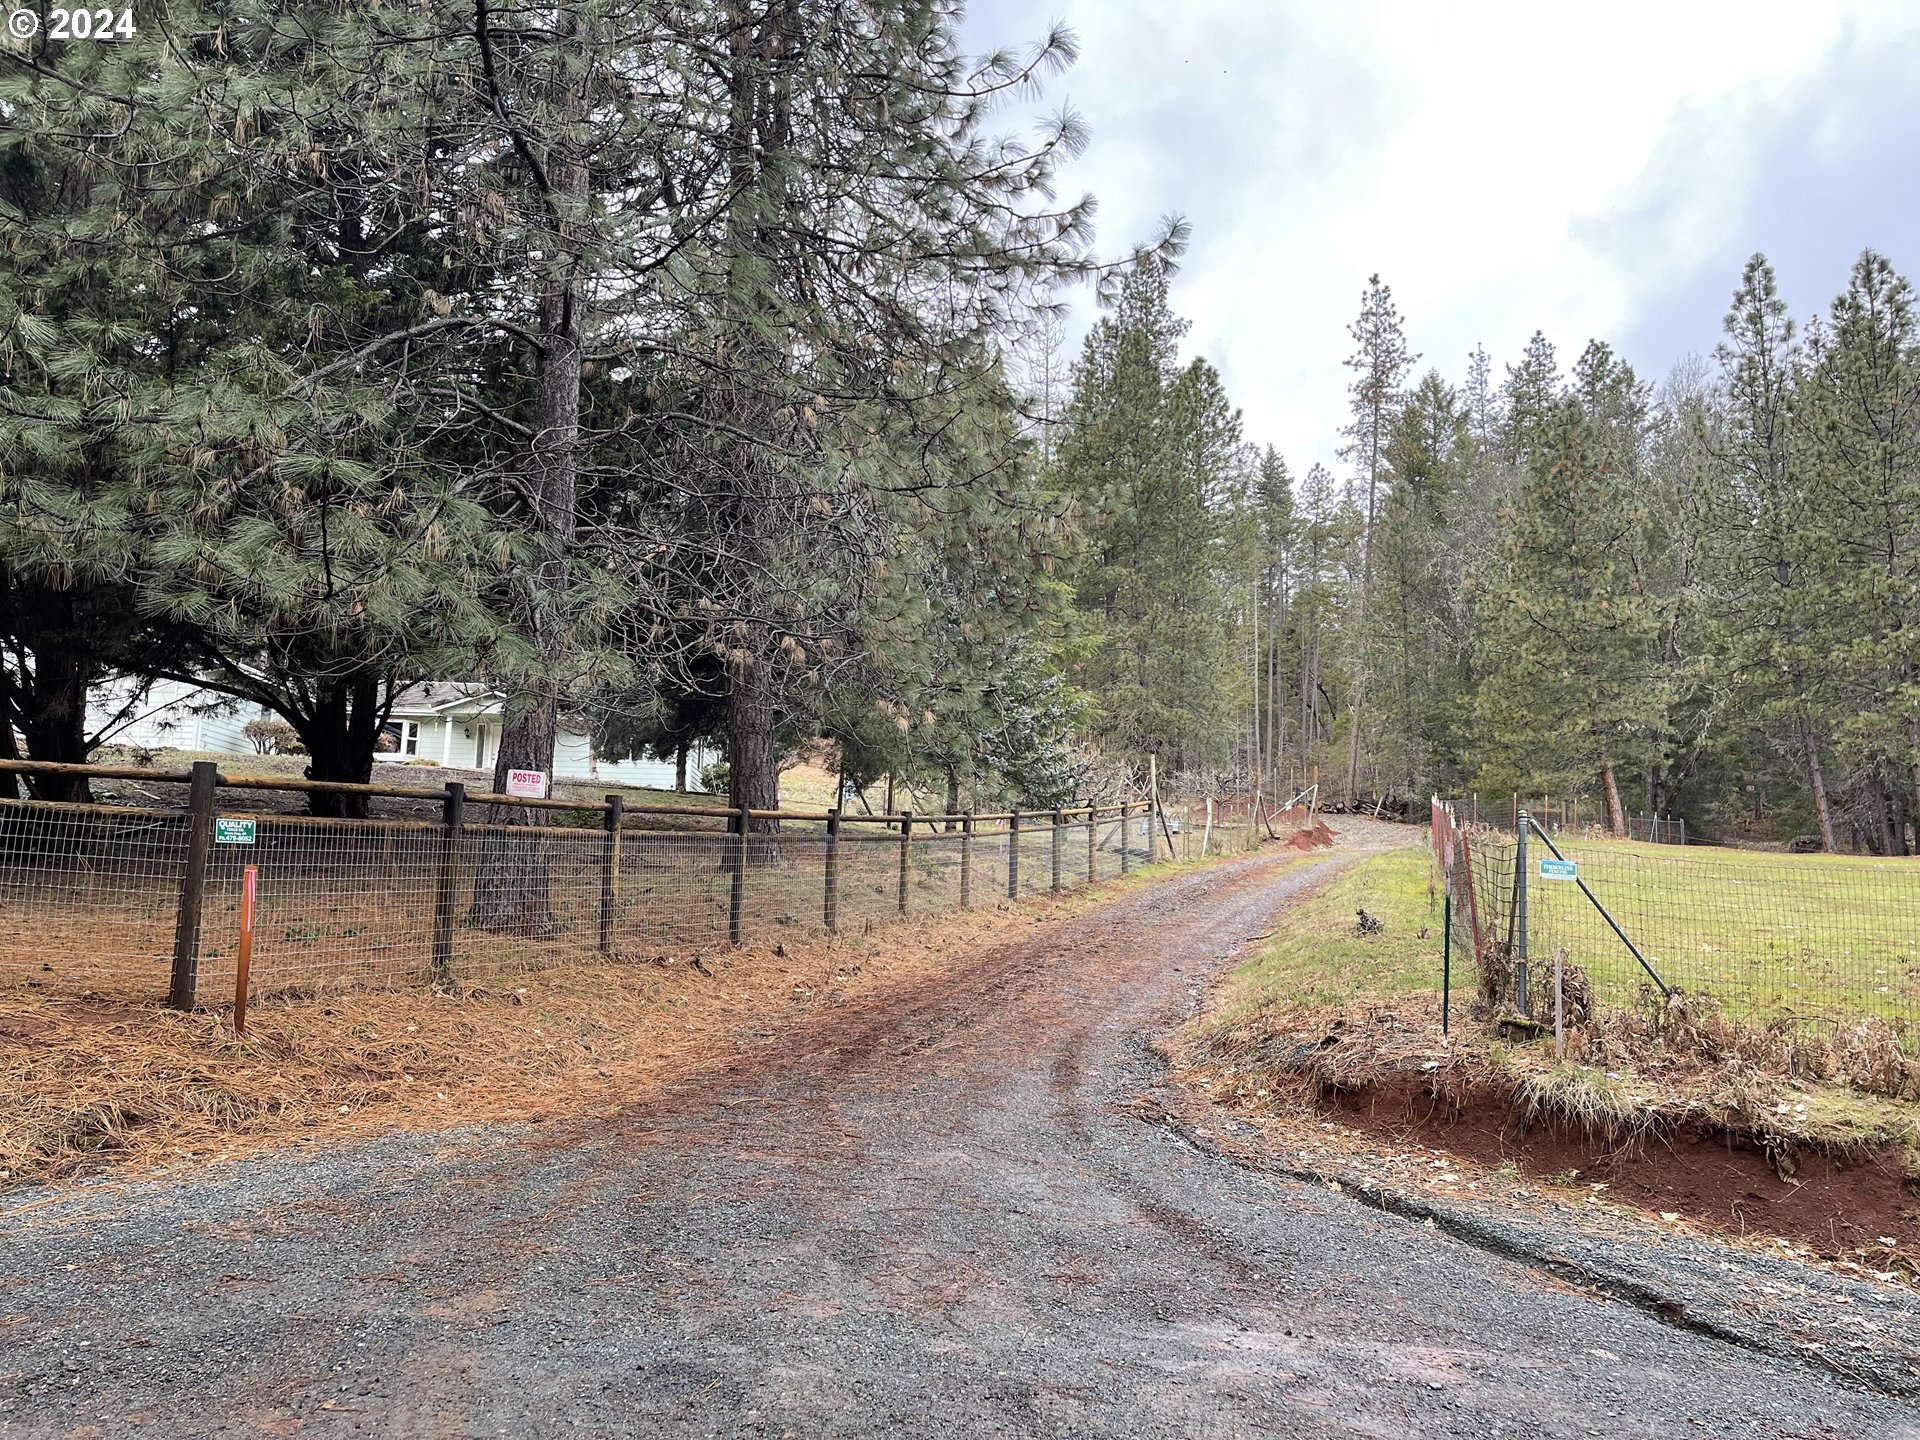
{"x":246,"y":950}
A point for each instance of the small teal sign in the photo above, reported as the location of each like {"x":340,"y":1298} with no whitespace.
{"x":233,"y":832}
{"x":1559,"y":870}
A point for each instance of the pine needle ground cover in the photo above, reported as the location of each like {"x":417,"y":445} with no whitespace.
{"x":88,"y":1085}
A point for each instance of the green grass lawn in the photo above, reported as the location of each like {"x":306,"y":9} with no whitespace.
{"x":1766,"y":933}
{"x":1317,"y":957}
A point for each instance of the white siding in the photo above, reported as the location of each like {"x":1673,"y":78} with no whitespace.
{"x":175,"y":716}
{"x":572,"y":760}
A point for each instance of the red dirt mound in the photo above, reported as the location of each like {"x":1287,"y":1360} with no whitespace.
{"x":1315,"y":837}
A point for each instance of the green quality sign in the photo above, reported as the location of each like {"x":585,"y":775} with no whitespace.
{"x":1559,"y":870}
{"x":233,"y":832}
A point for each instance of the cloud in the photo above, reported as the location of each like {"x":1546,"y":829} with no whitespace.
{"x":1505,"y":167}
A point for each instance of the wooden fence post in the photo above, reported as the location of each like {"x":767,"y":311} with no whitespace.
{"x":193,"y":885}
{"x":1093,"y":841}
{"x":830,"y":898}
{"x":1058,"y":821}
{"x":452,"y":817}
{"x":1126,"y":837}
{"x":1153,"y":807}
{"x":1013,"y":854}
{"x":610,"y":873}
{"x":739,"y":823}
{"x":906,"y":842}
{"x":966,"y":861}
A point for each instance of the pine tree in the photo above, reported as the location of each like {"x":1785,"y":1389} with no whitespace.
{"x":1380,"y":363}
{"x":1759,"y":546}
{"x":1571,"y":693}
{"x":1417,"y":621}
{"x":1150,"y":449}
{"x":1862,"y":398}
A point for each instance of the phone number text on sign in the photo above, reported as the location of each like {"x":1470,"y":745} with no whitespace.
{"x":95,"y":23}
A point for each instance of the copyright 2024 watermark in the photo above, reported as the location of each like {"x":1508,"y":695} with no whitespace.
{"x":64,"y":23}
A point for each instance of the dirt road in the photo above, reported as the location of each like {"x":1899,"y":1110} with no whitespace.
{"x":930,"y":1218}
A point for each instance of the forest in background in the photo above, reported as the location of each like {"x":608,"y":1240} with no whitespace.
{"x":696,"y":369}
{"x":1695,"y":598}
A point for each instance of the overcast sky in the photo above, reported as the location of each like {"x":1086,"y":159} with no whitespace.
{"x":1580,"y":169}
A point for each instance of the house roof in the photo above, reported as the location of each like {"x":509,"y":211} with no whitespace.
{"x":447,"y":697}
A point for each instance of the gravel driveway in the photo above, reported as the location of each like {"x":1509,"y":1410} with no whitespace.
{"x":927,"y":1218}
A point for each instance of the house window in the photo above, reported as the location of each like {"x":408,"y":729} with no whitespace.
{"x":409,"y":737}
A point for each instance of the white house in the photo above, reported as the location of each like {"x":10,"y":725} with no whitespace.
{"x":170,"y":715}
{"x":456,"y":724}
{"x":445,"y":723}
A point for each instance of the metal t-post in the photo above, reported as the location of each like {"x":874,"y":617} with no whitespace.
{"x":1013,"y":854}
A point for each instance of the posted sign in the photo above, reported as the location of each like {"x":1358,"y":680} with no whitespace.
{"x":233,"y":832}
{"x":1559,"y":870}
{"x":528,"y":784}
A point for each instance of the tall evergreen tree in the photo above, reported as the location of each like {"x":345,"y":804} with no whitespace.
{"x":1570,"y":694}
{"x":1380,"y":363}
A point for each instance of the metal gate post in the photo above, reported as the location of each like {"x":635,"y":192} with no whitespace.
{"x":1523,"y":822}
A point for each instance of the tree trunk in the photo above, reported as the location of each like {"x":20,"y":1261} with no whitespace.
{"x":680,"y":767}
{"x":340,"y":733}
{"x":1882,"y":837}
{"x":753,"y":760}
{"x":1823,"y":813}
{"x":1610,"y":786}
{"x":53,"y":721}
{"x":510,"y":891}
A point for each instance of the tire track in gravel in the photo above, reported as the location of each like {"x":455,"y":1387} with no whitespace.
{"x":929,"y":1213}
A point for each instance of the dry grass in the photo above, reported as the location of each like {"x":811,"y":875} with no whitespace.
{"x":85,"y":1083}
{"x":1867,"y":1054}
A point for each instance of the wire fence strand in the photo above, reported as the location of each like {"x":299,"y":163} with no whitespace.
{"x":1818,"y":940}
{"x":94,"y":898}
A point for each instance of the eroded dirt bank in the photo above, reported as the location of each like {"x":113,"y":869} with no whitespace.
{"x":934,"y":1215}
{"x":1836,"y":1201}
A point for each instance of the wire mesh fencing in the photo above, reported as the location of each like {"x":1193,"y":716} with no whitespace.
{"x":145,"y":903}
{"x":1817,"y":940}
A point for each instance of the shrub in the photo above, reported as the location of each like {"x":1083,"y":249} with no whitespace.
{"x":274,"y":737}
